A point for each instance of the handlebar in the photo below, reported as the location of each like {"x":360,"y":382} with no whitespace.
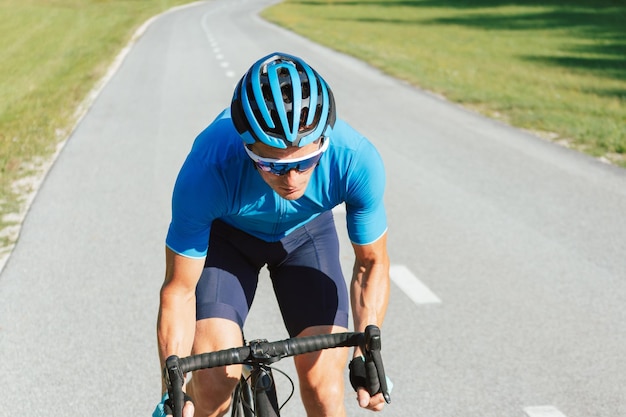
{"x":263,"y":352}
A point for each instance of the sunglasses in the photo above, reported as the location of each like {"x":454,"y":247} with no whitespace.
{"x":283,"y":166}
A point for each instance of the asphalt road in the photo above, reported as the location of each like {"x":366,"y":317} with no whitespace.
{"x":522,"y":242}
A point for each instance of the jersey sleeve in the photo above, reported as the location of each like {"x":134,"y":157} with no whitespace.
{"x":366,"y":216}
{"x":195,"y":204}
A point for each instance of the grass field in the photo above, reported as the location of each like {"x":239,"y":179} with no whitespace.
{"x":552,"y":67}
{"x":53,"y":53}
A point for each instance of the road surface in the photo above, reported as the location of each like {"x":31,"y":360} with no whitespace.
{"x":508,"y":252}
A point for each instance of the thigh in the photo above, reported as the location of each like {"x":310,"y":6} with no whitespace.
{"x":309,"y":284}
{"x":229,"y":280}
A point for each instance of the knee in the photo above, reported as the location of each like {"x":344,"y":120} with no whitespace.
{"x":321,"y":374}
{"x":211,"y":389}
{"x":323,"y":397}
{"x":321,"y":382}
{"x":329,"y":387}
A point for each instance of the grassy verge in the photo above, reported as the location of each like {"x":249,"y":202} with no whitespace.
{"x":53,"y":53}
{"x":558,"y":69}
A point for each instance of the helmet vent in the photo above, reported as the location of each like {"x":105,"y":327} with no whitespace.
{"x":285,"y":102}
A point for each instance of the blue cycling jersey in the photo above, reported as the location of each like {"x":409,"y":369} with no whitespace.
{"x":219,"y":181}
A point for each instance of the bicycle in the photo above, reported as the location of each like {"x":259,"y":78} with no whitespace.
{"x":255,"y":394}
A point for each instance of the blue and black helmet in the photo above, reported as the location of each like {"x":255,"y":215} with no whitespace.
{"x":281,"y":101}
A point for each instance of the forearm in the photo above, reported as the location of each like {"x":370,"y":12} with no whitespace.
{"x":369,"y":290}
{"x":369,"y":294}
{"x":176,"y":323}
{"x":175,"y":326}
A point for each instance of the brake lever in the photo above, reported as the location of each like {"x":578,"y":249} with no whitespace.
{"x":374,"y":362}
{"x":174,"y":380}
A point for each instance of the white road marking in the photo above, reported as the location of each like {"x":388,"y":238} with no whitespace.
{"x":543,"y":411}
{"x":412,"y":287}
{"x":214,"y":44}
{"x":402,"y":277}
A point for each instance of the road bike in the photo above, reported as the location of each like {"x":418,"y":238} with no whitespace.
{"x":255,"y":394}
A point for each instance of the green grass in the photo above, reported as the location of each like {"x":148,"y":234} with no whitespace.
{"x":555,"y":68}
{"x":53,"y":52}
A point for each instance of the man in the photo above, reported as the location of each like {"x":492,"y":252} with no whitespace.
{"x":257,"y":189}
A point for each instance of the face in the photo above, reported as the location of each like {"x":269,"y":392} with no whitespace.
{"x":291,"y":185}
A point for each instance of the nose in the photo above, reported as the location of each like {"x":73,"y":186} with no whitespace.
{"x":291,"y":176}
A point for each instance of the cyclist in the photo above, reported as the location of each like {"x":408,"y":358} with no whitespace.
{"x":257,"y":188}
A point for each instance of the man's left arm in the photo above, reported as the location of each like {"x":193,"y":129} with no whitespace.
{"x":369,"y":294}
{"x":369,"y":290}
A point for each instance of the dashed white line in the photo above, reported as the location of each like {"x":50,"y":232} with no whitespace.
{"x":403,"y":278}
{"x":412,"y":287}
{"x":215,"y":45}
{"x":543,"y":411}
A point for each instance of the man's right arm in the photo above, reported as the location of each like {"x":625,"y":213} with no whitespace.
{"x":177,"y":311}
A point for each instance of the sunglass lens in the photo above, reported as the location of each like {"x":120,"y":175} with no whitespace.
{"x":278,"y":168}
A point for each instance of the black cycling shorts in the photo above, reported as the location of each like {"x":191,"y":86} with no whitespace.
{"x":304,"y":268}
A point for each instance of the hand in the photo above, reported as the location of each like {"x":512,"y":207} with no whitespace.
{"x":373,"y":403}
{"x":358,"y":379}
{"x":164,"y":408}
{"x":188,"y":409}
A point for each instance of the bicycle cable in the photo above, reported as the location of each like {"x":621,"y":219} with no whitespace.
{"x":251,"y":407}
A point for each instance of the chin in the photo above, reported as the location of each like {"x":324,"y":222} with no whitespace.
{"x":291,"y":196}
